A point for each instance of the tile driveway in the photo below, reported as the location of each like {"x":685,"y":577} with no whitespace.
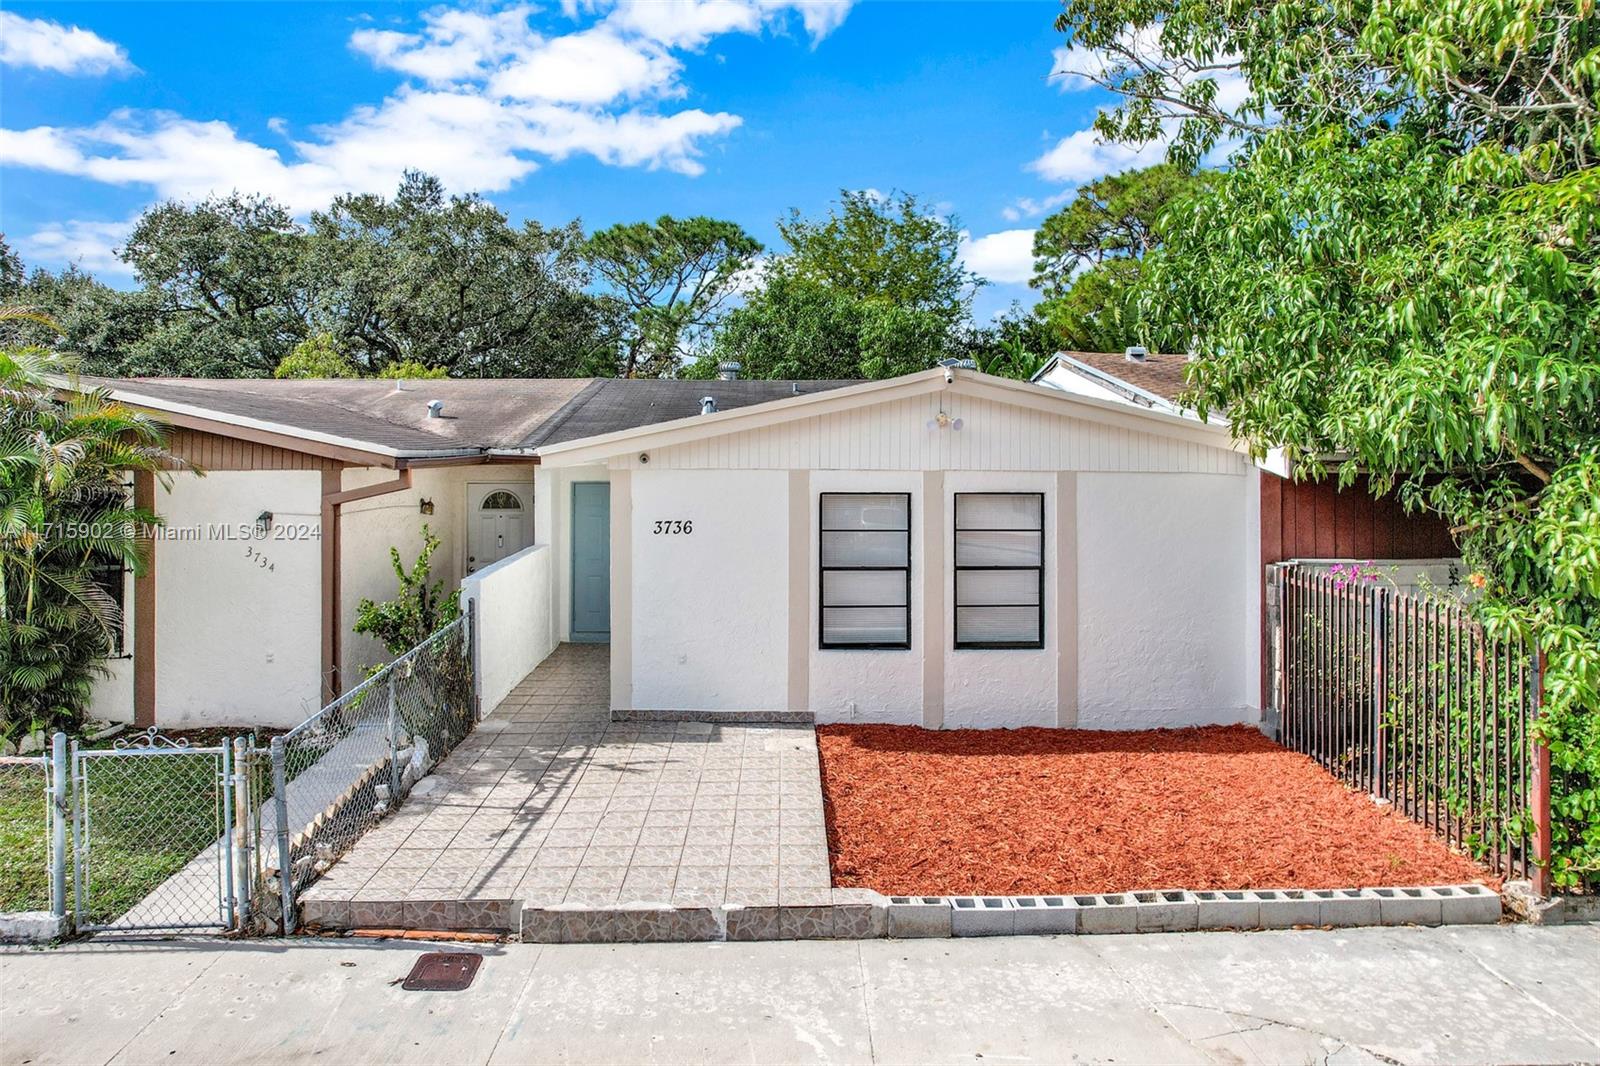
{"x":552,"y":804}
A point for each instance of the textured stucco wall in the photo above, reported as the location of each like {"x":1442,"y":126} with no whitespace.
{"x":1001,"y":687}
{"x":514,"y":631}
{"x":709,"y":608}
{"x":238,"y":642}
{"x":370,"y":527}
{"x":848,"y":685}
{"x":1167,"y":600}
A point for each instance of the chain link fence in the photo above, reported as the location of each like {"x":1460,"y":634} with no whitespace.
{"x":338,"y":773}
{"x":27,"y":845}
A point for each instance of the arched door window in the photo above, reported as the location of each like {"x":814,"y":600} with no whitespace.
{"x":500,"y":501}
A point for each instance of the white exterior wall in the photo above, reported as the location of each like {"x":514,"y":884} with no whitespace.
{"x":369,"y":528}
{"x":866,"y":684}
{"x":514,"y":630}
{"x":1168,"y":615}
{"x":709,"y":608}
{"x":238,"y":643}
{"x":1151,"y":540}
{"x":1009,"y":687}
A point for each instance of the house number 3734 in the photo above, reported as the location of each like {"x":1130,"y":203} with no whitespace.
{"x":670,"y":527}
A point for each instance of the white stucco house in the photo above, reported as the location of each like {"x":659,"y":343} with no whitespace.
{"x":945,"y":549}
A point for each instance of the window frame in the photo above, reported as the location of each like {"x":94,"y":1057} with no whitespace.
{"x":956,"y":569}
{"x":822,"y":580}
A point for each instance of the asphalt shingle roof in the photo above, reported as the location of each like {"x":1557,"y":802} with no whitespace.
{"x":1157,"y":373}
{"x":609,"y":405}
{"x":478,"y":413}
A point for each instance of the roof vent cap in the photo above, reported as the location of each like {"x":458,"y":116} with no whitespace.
{"x":435,"y":408}
{"x":1136,"y":353}
{"x":708,"y":405}
{"x":728,"y":370}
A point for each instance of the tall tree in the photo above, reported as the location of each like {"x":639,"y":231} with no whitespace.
{"x":447,"y":281}
{"x":1087,"y":255}
{"x":1401,"y":267}
{"x":892,"y":249}
{"x":670,"y":280}
{"x":225,"y":285}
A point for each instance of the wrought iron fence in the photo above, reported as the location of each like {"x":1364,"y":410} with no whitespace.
{"x":336,"y":775}
{"x":1409,"y":698}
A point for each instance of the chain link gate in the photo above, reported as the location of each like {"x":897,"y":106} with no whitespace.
{"x":154,"y":810}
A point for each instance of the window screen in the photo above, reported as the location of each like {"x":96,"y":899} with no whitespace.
{"x":108,"y":574}
{"x":999,"y":570}
{"x":865,"y":548}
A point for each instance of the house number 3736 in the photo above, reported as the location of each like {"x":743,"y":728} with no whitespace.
{"x":668,"y":527}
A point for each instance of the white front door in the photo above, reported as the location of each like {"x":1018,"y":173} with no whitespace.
{"x":499,"y":522}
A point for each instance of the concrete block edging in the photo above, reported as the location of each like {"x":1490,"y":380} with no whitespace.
{"x":862,"y":913}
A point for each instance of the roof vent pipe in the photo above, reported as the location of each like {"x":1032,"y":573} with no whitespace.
{"x":728,"y":370}
{"x":435,"y":408}
{"x":1136,"y":353}
{"x":708,"y":405}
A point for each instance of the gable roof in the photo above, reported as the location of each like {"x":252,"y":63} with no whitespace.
{"x":385,"y":423}
{"x":1156,"y":376}
{"x":608,"y":405}
{"x":969,"y":382}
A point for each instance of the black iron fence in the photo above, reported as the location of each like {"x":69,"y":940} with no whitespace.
{"x":1408,"y":697}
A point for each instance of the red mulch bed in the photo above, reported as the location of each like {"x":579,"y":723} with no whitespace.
{"x":1041,"y":811}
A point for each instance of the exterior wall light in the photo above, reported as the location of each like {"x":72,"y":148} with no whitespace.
{"x":426,"y":506}
{"x":943,"y":421}
{"x":263,"y":521}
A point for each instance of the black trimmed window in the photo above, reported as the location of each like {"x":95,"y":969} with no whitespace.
{"x":864,"y":545}
{"x":111,"y":576}
{"x":999,"y":564}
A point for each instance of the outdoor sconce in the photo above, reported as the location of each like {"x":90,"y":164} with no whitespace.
{"x":426,"y":506}
{"x":943,"y":421}
{"x":263,"y":521}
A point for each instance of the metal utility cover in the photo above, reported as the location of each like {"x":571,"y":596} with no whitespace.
{"x":442,"y":971}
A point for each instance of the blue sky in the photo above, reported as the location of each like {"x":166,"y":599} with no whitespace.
{"x":608,"y":111}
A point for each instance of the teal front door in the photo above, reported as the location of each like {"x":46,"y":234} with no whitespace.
{"x":591,"y":562}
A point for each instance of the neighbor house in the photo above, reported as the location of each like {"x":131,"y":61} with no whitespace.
{"x":944,"y":549}
{"x":1300,"y":520}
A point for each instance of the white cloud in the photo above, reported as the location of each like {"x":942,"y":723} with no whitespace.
{"x":454,"y":45}
{"x":90,"y":245}
{"x":593,"y":67}
{"x":1083,"y":156}
{"x":1005,"y":257}
{"x":1032,"y":207}
{"x":488,"y":98}
{"x":45,"y":45}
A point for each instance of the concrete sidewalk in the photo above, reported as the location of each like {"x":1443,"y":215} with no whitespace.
{"x":1464,"y":994}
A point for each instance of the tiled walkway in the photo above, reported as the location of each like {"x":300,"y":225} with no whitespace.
{"x":578,"y":820}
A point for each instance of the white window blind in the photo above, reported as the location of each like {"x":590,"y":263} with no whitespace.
{"x":999,"y":562}
{"x":865,"y":555}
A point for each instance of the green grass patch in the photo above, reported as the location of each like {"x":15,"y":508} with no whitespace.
{"x":24,"y":844}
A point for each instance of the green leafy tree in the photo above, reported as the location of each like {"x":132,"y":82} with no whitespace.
{"x":411,"y":369}
{"x":419,"y":608}
{"x":447,"y":281}
{"x":669,"y":280}
{"x":1400,"y":266}
{"x":1087,"y":255}
{"x":315,"y":357}
{"x":64,"y":514}
{"x":225,"y":290}
{"x":891,"y":249}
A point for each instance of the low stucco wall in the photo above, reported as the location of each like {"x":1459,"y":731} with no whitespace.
{"x":512,"y":600}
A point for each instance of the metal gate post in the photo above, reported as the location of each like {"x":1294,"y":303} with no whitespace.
{"x":80,"y":835}
{"x":280,"y":801}
{"x":243,"y":766}
{"x":394,"y":744}
{"x":60,"y":811}
{"x":1380,"y":693}
{"x":472,"y":659}
{"x":230,"y":904}
{"x":1539,"y":802}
